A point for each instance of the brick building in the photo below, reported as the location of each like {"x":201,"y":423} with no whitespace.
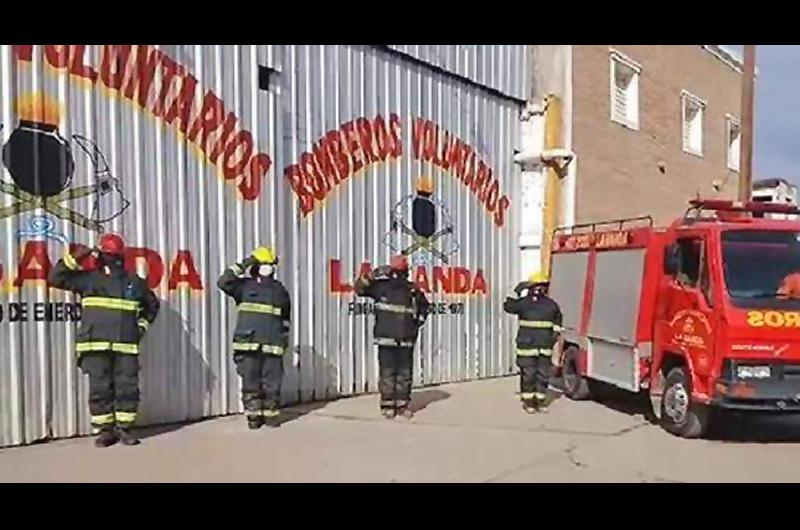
{"x":652,"y":126}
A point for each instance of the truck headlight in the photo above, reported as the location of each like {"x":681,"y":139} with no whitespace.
{"x":753,"y":372}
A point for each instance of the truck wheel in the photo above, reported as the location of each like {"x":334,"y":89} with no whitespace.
{"x":679,"y":415}
{"x":575,"y":385}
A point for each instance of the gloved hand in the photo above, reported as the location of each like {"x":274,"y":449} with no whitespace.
{"x":82,"y":252}
{"x":248,"y":262}
{"x":382,"y":271}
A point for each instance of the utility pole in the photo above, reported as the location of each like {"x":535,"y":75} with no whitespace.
{"x":746,"y":151}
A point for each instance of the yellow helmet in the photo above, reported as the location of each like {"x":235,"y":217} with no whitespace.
{"x":425,"y":185}
{"x":538,"y":277}
{"x":265,"y":255}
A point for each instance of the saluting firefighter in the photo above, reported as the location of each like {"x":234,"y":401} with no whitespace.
{"x":262,"y":332}
{"x":118,"y":308}
{"x":400,"y":310}
{"x":539,"y":326}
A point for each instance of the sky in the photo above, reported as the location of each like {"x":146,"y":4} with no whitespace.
{"x":776,"y":152}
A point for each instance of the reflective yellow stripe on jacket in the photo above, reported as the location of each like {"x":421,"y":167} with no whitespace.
{"x":393,"y":308}
{"x":119,"y":347}
{"x":267,"y":309}
{"x":539,"y":324}
{"x":534,"y":352}
{"x":118,"y":304}
{"x":253,"y":346}
{"x":71,"y":262}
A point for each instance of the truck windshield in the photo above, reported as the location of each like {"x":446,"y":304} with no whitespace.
{"x":758,"y":265}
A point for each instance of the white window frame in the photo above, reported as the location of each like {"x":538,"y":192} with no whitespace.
{"x":732,"y":162}
{"x":616,"y":57}
{"x":688,"y":96}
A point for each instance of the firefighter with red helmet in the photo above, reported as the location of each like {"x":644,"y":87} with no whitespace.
{"x":262,"y":332}
{"x":117,"y":309}
{"x":400,"y":310}
{"x":540,"y":322}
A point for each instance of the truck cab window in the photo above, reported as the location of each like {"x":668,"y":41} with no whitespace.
{"x":689,"y":260}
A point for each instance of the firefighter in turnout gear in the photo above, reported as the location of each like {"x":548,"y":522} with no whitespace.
{"x":262,"y":332}
{"x":118,"y":308}
{"x":400,"y":310}
{"x":539,"y":326}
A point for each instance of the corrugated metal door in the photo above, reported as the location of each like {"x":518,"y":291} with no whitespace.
{"x":196,"y":154}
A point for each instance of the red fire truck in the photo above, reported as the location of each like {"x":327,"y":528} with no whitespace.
{"x":694,"y":314}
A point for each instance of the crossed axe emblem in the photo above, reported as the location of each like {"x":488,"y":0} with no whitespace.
{"x":420,"y":242}
{"x":104,"y":184}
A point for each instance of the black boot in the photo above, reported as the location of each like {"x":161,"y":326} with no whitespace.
{"x":403,"y":410}
{"x":388,"y":413}
{"x":254,"y":422}
{"x":106,"y":438}
{"x":126,"y":437}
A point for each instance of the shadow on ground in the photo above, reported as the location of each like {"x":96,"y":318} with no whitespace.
{"x":727,"y":427}
{"x":421,"y":399}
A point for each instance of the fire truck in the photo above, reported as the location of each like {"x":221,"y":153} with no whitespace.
{"x":693,"y":315}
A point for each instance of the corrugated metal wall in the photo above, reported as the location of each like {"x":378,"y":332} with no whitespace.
{"x":192,"y":213}
{"x":501,"y":67}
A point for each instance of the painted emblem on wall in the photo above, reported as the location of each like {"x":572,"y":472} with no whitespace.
{"x":41,"y":165}
{"x":421,"y":227}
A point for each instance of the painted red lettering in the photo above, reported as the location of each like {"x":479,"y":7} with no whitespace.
{"x":421,"y":279}
{"x":304,"y":196}
{"x":141,"y":74}
{"x":209,"y":119}
{"x":57,"y":56}
{"x":77,"y":66}
{"x":153,"y":262}
{"x":479,"y":285}
{"x":250,"y":186}
{"x":34,"y":264}
{"x":441,"y":280}
{"x":242,"y":144}
{"x":395,"y":133}
{"x":170,"y":69}
{"x":336,"y":152}
{"x":494,"y":192}
{"x":381,"y":137}
{"x":460,"y":280}
{"x":418,"y":129}
{"x":184,"y":271}
{"x":499,"y":215}
{"x":182,"y":105}
{"x":24,"y":52}
{"x":113,"y":63}
{"x":364,"y":128}
{"x":222,"y":138}
{"x":337,"y":286}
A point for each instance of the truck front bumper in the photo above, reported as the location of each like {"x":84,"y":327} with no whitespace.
{"x":766,"y":395}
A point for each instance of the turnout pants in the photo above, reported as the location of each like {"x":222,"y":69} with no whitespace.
{"x":534,"y":376}
{"x":113,"y":387}
{"x":395,"y":368}
{"x":261,"y":375}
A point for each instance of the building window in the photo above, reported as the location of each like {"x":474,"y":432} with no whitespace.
{"x":624,"y":74}
{"x":693,"y":108}
{"x":734,"y":139}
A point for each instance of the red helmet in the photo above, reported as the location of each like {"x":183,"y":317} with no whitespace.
{"x":111,"y":244}
{"x":399,"y":263}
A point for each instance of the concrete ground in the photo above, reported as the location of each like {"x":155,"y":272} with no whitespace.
{"x":468,"y":432}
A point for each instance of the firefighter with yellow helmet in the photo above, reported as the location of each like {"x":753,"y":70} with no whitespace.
{"x":539,"y":326}
{"x":262,"y":332}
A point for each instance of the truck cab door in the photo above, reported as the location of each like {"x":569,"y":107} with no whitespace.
{"x":685,"y":323}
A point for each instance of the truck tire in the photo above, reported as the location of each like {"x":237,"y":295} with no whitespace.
{"x":679,"y":415}
{"x":576,"y":386}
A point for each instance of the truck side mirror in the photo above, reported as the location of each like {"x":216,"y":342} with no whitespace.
{"x":671,"y":260}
